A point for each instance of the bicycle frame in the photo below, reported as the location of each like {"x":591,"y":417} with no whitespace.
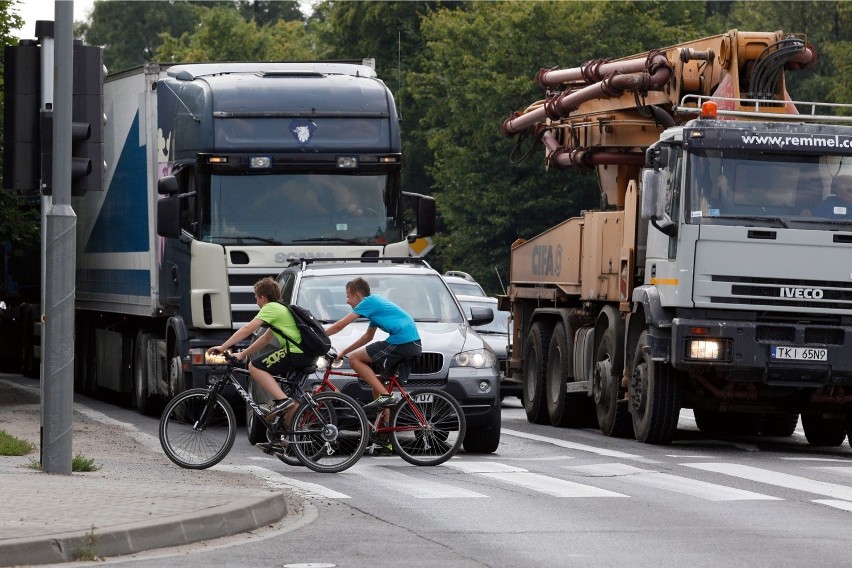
{"x":392,"y":384}
{"x":229,"y":378}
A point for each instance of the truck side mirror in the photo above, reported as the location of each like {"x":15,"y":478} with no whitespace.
{"x":168,"y":217}
{"x":167,"y":185}
{"x":654,"y":196}
{"x":657,"y":157}
{"x":426,"y":213}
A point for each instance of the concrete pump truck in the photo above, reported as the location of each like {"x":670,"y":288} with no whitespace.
{"x":711,"y":278}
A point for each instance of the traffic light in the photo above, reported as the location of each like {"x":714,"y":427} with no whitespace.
{"x":87,"y":116}
{"x":21,"y":137}
{"x":28,"y":129}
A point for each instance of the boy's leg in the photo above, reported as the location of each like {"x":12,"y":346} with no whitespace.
{"x":266,"y":382}
{"x":360,"y":360}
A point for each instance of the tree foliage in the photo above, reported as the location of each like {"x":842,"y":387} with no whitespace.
{"x":457,"y":70}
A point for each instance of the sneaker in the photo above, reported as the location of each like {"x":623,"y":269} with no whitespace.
{"x":274,"y":409}
{"x":383,"y":401}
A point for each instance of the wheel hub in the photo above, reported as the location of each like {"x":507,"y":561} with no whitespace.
{"x":329,"y":433}
{"x":601,"y":383}
{"x":637,"y":387}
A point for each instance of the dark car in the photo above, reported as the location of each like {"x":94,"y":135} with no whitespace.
{"x":455,"y":358}
{"x":498,"y":335}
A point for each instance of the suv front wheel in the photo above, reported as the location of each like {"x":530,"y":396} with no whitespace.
{"x":484,"y":439}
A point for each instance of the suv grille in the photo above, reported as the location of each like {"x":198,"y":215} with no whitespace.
{"x":427,"y":364}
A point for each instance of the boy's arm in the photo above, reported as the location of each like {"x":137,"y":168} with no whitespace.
{"x":341,"y":323}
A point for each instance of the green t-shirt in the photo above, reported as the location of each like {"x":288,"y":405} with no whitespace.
{"x":278,"y":317}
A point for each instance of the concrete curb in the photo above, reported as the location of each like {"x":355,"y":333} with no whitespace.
{"x":241,"y":515}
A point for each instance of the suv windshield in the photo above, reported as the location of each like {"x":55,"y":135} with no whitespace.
{"x":424,"y":297}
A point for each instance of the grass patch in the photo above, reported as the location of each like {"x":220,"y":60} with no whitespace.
{"x":78,"y":463}
{"x":12,"y":446}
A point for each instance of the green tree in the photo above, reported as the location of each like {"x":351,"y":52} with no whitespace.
{"x":223,"y":34}
{"x":479,"y":65}
{"x":130,"y":31}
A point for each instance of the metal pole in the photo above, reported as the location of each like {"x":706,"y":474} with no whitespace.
{"x":60,"y":263}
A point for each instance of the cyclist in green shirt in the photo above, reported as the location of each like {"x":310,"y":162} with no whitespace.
{"x":277,"y":318}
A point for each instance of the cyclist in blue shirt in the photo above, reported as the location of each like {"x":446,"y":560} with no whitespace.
{"x":403,"y":339}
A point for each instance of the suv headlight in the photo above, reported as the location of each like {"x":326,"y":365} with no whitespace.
{"x":476,"y":359}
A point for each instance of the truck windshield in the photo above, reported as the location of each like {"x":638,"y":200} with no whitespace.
{"x":743,"y":187}
{"x":299,"y":208}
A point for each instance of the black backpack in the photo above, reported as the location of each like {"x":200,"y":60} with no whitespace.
{"x":315,"y":341}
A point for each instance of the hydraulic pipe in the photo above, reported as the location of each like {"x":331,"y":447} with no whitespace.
{"x":654,"y":78}
{"x":557,"y":156}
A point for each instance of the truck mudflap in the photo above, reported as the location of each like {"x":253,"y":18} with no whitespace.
{"x":781,"y":353}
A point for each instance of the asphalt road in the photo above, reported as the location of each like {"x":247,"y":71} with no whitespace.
{"x":553,"y":497}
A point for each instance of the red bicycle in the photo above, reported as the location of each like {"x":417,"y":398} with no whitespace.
{"x":425,"y":427}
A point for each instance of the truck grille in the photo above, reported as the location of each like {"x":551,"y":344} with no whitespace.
{"x":790,"y":335}
{"x":243,"y":305}
{"x":782,"y":292}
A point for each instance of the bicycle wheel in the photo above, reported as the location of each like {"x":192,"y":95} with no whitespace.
{"x":441,"y":436}
{"x":187,"y":442}
{"x":330,"y":436}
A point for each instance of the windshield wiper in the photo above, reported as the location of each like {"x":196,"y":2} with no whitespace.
{"x":328,"y":240}
{"x":778,"y":220}
{"x":243,"y":240}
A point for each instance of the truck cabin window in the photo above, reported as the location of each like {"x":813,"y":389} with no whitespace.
{"x":298,"y":208}
{"x":778,"y":188}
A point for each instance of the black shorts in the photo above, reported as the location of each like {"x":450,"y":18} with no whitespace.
{"x":279,"y":362}
{"x":388,"y":355}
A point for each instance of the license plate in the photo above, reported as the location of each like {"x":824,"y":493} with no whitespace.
{"x":422,"y":398}
{"x":798,"y":353}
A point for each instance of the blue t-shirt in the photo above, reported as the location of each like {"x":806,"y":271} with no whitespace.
{"x":388,"y":317}
{"x":832,"y":207}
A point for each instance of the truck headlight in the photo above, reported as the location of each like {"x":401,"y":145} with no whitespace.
{"x":708,"y":349}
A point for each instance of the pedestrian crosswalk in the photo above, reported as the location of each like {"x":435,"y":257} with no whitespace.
{"x":607,"y":479}
{"x":582,"y":471}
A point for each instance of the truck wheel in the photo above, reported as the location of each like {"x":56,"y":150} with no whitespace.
{"x":821,"y":431}
{"x":564,"y":409}
{"x":141,"y":400}
{"x":535,"y":373}
{"x":613,"y":418}
{"x":176,"y":381}
{"x":781,"y":425}
{"x":29,"y":364}
{"x":654,"y":396}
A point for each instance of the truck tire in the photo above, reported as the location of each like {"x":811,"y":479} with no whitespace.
{"x":535,"y":373}
{"x":613,"y":417}
{"x":780,"y":425}
{"x":654,"y":397}
{"x":821,"y":431}
{"x":141,"y":396}
{"x":564,"y":409}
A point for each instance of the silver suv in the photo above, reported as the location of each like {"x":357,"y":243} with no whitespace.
{"x":455,"y":358}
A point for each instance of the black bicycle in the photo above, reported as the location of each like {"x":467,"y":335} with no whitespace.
{"x":329,"y":431}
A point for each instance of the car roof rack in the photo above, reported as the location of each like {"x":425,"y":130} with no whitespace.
{"x":416,"y":260}
{"x":459,"y":274}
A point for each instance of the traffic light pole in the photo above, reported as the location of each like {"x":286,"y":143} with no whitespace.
{"x":59,"y":258}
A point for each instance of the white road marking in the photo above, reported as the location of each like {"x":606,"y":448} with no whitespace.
{"x":816,"y":459}
{"x":278,"y":481}
{"x":668,"y":482}
{"x":778,"y":479}
{"x":534,"y":481}
{"x":843,"y":505}
{"x":840,"y":470}
{"x":391,"y":478}
{"x":576,"y":446}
